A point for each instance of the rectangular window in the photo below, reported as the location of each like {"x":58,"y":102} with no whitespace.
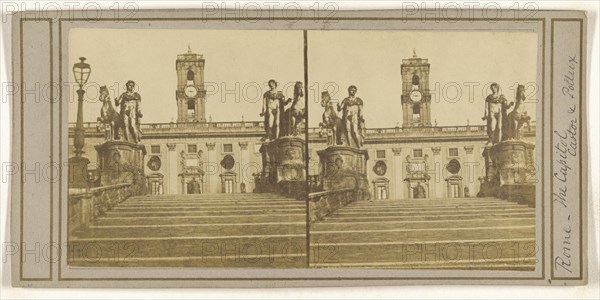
{"x":380,"y":153}
{"x":453,"y":152}
{"x":155,"y":149}
{"x":228,"y":148}
{"x":192,"y":149}
{"x":418,"y":152}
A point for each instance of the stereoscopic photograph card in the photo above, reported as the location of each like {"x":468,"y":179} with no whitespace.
{"x":176,"y":148}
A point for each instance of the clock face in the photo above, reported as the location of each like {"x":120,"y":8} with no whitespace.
{"x":191,"y":91}
{"x":415,"y":96}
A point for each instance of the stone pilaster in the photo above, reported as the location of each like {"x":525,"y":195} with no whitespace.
{"x":397,"y":176}
{"x":173,"y":173}
{"x":213,"y":183}
{"x":244,"y":161}
{"x":469,"y":172}
{"x":439,"y":169}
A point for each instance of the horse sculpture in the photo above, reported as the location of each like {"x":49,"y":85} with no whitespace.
{"x":109,"y":120}
{"x":518,"y":117}
{"x":331,"y":120}
{"x":295,"y":114}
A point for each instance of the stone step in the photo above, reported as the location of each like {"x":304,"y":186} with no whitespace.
{"x":500,"y":264}
{"x":374,"y":225}
{"x":422,"y":235}
{"x":432,"y":201}
{"x":183,"y":247}
{"x":209,"y":203}
{"x":228,"y":200}
{"x":221,"y":230}
{"x":206,"y":212}
{"x":124,"y":208}
{"x":490,"y":250}
{"x":273,"y":261}
{"x":384,"y":218}
{"x":437,"y":208}
{"x":195,"y":230}
{"x":344,"y":213}
{"x":209,"y":219}
{"x":207,"y":197}
{"x":433,"y":206}
{"x":422,"y":217}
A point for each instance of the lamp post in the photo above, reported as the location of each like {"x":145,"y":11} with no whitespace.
{"x":78,"y":174}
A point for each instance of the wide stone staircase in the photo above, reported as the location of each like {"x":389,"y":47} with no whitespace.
{"x":460,"y":233}
{"x":204,"y":230}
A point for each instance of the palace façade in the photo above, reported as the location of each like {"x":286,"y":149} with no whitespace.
{"x":224,"y":157}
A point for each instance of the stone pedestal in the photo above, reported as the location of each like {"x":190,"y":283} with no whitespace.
{"x":344,"y":168}
{"x":284,"y":167}
{"x":510,"y":172}
{"x":78,"y":173}
{"x":121,"y":162}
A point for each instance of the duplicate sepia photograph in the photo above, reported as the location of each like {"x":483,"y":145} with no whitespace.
{"x":187,"y":149}
{"x":423,"y":149}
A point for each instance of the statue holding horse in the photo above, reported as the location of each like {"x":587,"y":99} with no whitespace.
{"x":518,"y":117}
{"x":331,"y":120}
{"x":110,"y":121}
{"x":294,"y":117}
{"x":125,"y":123}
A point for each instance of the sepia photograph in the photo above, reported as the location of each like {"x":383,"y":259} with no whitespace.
{"x":186,"y":149}
{"x":299,"y":147}
{"x":422,"y":149}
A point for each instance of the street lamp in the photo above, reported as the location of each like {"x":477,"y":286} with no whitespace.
{"x":81,"y":71}
{"x":78,"y":174}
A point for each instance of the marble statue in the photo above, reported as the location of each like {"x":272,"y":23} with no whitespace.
{"x":129,"y":103}
{"x":352,"y":118}
{"x":331,"y":121}
{"x":494,"y":104}
{"x":295,"y":114}
{"x":518,"y":117}
{"x":271,"y":111}
{"x":109,"y":120}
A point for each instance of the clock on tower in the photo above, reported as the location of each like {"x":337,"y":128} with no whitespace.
{"x":416,"y":99}
{"x":190,"y":93}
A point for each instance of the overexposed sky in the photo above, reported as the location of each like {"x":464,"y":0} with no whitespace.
{"x":371,"y":60}
{"x":240,"y":62}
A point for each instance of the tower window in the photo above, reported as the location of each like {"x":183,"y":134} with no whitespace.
{"x":228,"y":148}
{"x":415,"y":79}
{"x":380,"y":153}
{"x":416,"y":113}
{"x":191,"y":109}
{"x":190,"y":75}
{"x":191,"y":105}
{"x":416,"y":109}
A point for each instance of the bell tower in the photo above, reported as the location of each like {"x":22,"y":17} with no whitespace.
{"x":416,"y":99}
{"x":190,"y":93}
